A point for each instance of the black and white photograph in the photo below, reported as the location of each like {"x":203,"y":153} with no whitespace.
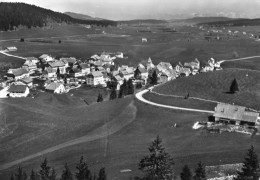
{"x":129,"y":89}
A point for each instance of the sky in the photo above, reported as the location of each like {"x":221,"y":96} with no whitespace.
{"x":156,"y":9}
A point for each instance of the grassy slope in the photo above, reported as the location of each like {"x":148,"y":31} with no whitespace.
{"x":215,"y":85}
{"x":124,"y":149}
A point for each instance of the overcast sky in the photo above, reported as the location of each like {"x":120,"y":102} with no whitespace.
{"x":160,"y":9}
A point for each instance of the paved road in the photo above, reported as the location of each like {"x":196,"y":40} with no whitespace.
{"x":140,"y":94}
{"x":4,"y":53}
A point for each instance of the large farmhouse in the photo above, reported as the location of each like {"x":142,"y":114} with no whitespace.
{"x":235,"y":115}
{"x":18,"y":91}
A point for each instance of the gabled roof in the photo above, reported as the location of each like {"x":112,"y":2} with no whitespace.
{"x":69,"y":60}
{"x":96,"y":74}
{"x":234,"y":112}
{"x":31,"y":58}
{"x":56,"y":64}
{"x":143,"y":70}
{"x":98,"y":63}
{"x":84,"y":65}
{"x":53,"y":86}
{"x":50,"y":70}
{"x":164,"y":65}
{"x":19,"y":72}
{"x":17,"y":88}
{"x":26,"y":80}
{"x":44,"y":56}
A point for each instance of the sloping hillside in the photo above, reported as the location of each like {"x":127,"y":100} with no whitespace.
{"x":14,"y":15}
{"x":235,"y":22}
{"x":82,"y":16}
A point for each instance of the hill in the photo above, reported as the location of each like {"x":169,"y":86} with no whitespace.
{"x":199,"y":20}
{"x":142,"y":21}
{"x":235,"y":22}
{"x":82,"y":16}
{"x":15,"y":15}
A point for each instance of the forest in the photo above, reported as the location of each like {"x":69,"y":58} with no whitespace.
{"x":15,"y":15}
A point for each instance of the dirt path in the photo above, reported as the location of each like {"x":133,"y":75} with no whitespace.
{"x":6,"y":54}
{"x":123,"y":119}
{"x":239,"y":59}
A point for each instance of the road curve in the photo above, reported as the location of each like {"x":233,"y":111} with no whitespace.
{"x":140,"y":97}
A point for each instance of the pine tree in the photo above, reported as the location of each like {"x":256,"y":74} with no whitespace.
{"x":58,"y":71}
{"x":113,"y":94}
{"x":154,"y":78}
{"x":123,"y":90}
{"x":158,"y":164}
{"x":186,"y":173}
{"x":33,"y":175}
{"x":137,"y":73}
{"x":53,"y":175}
{"x":102,"y":174}
{"x":200,"y":173}
{"x":83,"y":171}
{"x":250,"y":167}
{"x":66,"y":173}
{"x":130,"y":87}
{"x":21,"y":175}
{"x":45,"y":170}
{"x":12,"y":177}
{"x":234,"y":86}
{"x":100,"y":98}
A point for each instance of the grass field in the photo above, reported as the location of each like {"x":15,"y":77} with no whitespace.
{"x":215,"y":86}
{"x":124,"y":149}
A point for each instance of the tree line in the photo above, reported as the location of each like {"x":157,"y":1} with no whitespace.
{"x":13,"y":15}
{"x":157,"y":165}
{"x":48,"y":173}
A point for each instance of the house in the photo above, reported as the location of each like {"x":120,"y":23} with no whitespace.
{"x":68,"y":61}
{"x":49,"y":73}
{"x":95,"y":57}
{"x":119,"y":80}
{"x":164,"y":66}
{"x":171,"y":74}
{"x":34,"y":60}
{"x":56,"y":88}
{"x":75,"y":72}
{"x":13,"y":48}
{"x":18,"y":91}
{"x":98,"y":63}
{"x":120,"y":55}
{"x":140,"y":73}
{"x":85,"y":68}
{"x":16,"y":74}
{"x":193,"y":65}
{"x":58,"y":65}
{"x":127,"y":73}
{"x":235,"y":115}
{"x":144,"y":40}
{"x":105,"y":57}
{"x":163,"y":78}
{"x":184,"y":71}
{"x":95,"y":78}
{"x":27,"y":81}
{"x":30,"y":66}
{"x":46,"y":58}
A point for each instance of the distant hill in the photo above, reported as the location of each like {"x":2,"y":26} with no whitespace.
{"x":142,"y":21}
{"x":13,"y":15}
{"x":199,"y":20}
{"x":82,"y":16}
{"x":235,"y":22}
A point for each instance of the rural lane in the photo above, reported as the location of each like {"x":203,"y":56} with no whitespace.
{"x":140,"y":94}
{"x":4,"y":53}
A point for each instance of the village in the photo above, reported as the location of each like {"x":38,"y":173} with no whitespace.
{"x":61,"y":75}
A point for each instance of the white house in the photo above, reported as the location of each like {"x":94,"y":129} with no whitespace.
{"x":144,"y":40}
{"x":56,"y":88}
{"x":95,"y":78}
{"x":17,"y":73}
{"x":27,"y":81}
{"x":120,"y":55}
{"x":11,"y":48}
{"x":164,"y":66}
{"x":18,"y":91}
{"x":50,"y":73}
{"x":85,"y":68}
{"x":46,"y":58}
{"x":58,"y":64}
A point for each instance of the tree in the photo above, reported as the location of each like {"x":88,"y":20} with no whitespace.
{"x":186,"y":173}
{"x":113,"y":94}
{"x":33,"y":175}
{"x":154,"y":78}
{"x":21,"y":175}
{"x":200,"y":173}
{"x":250,"y":166}
{"x":102,"y":174}
{"x":45,"y":170}
{"x":58,"y":71}
{"x":83,"y":171}
{"x":137,"y":73}
{"x":158,"y":164}
{"x":22,"y":40}
{"x":66,"y":173}
{"x":59,"y":41}
{"x":234,"y":86}
{"x":12,"y":177}
{"x":130,"y":87}
{"x":138,"y":86}
{"x":123,"y":89}
{"x":53,"y":174}
{"x":100,"y":98}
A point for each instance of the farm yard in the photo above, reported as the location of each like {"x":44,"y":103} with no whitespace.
{"x":115,"y":134}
